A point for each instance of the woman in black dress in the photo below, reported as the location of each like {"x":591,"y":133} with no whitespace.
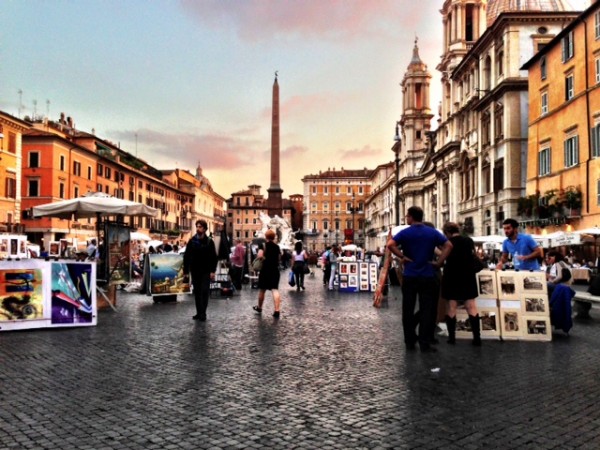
{"x":459,"y":285}
{"x":268,"y":278}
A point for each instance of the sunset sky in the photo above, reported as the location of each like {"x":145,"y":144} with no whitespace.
{"x":193,"y":78}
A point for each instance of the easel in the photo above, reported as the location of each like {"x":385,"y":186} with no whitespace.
{"x":103,"y":291}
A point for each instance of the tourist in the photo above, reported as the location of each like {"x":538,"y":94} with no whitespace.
{"x":415,"y":246}
{"x":200,"y":259}
{"x":334,"y":254}
{"x":459,"y":285}
{"x":238,"y":259}
{"x":268,"y":278}
{"x":300,"y":260}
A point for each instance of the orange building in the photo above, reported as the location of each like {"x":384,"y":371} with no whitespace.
{"x":11,"y":131}
{"x":563,"y":160}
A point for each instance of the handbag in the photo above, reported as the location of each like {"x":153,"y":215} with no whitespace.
{"x":257,"y":264}
{"x":291,"y":279}
{"x":306,"y":269}
{"x":478,"y":264}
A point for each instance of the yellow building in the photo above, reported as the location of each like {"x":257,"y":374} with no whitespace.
{"x":334,"y":207}
{"x":563,"y":159}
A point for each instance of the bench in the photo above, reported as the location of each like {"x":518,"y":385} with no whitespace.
{"x":583,"y":303}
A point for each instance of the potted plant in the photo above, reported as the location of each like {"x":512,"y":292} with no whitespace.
{"x":573,"y":200}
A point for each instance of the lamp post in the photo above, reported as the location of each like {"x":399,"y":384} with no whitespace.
{"x":396,"y":149}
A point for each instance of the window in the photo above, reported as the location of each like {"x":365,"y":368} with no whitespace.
{"x":89,"y":174}
{"x":76,"y":192}
{"x":568,"y":49}
{"x":10,"y":187}
{"x":34,"y":159}
{"x":544,"y":103}
{"x":597,"y":70}
{"x":33,"y":188}
{"x":500,"y":63}
{"x":325,"y":206}
{"x":314,"y":190}
{"x":314,"y":224}
{"x":337,"y":190}
{"x":543,"y":68}
{"x":325,"y":190}
{"x":544,"y":161}
{"x":348,"y":189}
{"x":61,"y":190}
{"x":12,"y":142}
{"x":98,"y":188}
{"x":595,"y":133}
{"x":569,"y":87}
{"x":597,"y":24}
{"x":100,"y":169}
{"x":62,"y":163}
{"x":77,"y":168}
{"x":598,"y":192}
{"x":325,"y":225}
{"x":348,"y":206}
{"x":571,"y":151}
{"x":107,"y":173}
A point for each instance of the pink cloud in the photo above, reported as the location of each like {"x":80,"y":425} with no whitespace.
{"x":294,"y":151}
{"x":306,"y":105}
{"x":359,"y":153}
{"x":212,"y":151}
{"x":256,"y":20}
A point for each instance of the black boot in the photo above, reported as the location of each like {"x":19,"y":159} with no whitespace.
{"x":451,"y":325}
{"x":476,"y":330}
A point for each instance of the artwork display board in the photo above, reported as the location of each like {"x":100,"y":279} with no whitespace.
{"x":165,"y":274}
{"x":524,"y":305}
{"x":357,"y":276}
{"x":13,"y":246}
{"x":47,"y":294}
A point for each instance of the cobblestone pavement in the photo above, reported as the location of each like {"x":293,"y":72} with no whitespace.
{"x":331,"y":373}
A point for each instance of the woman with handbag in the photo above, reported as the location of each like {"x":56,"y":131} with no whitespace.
{"x":558,"y":271}
{"x":300,"y":259}
{"x":459,"y":284}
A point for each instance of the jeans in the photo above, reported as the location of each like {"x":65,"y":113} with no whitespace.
{"x":201,"y":293}
{"x":427,"y":291}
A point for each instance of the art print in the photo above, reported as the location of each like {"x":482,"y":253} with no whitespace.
{"x":535,"y":304}
{"x":533,"y":283}
{"x":353,"y":281}
{"x":353,"y":268}
{"x":54,"y":249}
{"x":344,"y":268}
{"x":486,"y":284}
{"x":73,"y":293}
{"x":538,"y":329}
{"x":166,"y":274}
{"x":508,"y":283}
{"x":490,"y":322}
{"x":510,"y":323}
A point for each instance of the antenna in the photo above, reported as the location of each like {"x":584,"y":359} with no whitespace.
{"x":48,"y":108}
{"x":34,"y":110}
{"x":136,"y":145}
{"x":20,"y":92}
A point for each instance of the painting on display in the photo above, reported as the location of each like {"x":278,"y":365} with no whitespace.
{"x":490,"y":325}
{"x":535,"y":305}
{"x":3,"y":248}
{"x":21,"y":294}
{"x":117,"y":245}
{"x":486,"y":284}
{"x":463,"y":325}
{"x":54,"y":249}
{"x":73,"y":293}
{"x":533,"y":283}
{"x":510,"y":323}
{"x":537,"y":328}
{"x":166,"y":274}
{"x":508,"y":285}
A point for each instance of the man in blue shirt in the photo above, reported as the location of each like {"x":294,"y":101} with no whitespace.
{"x":523,"y":248}
{"x":415,"y":246}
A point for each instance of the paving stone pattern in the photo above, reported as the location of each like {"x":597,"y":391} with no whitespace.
{"x":331,"y":373}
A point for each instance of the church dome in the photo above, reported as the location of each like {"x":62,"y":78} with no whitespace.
{"x":497,"y":7}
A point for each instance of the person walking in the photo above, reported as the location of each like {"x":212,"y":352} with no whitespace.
{"x":326,"y":265}
{"x":459,"y":285}
{"x":268,"y":278}
{"x":300,"y":261}
{"x":523,"y":248}
{"x":415,"y":246}
{"x":333,"y":264}
{"x":200,"y":259}
{"x":237,"y":264}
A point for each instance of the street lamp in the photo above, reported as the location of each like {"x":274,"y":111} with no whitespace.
{"x":396,"y":149}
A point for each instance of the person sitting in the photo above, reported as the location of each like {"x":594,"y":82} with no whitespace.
{"x":558,"y":272}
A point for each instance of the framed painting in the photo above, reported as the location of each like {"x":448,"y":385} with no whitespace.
{"x":537,"y":328}
{"x":535,"y":305}
{"x":510,"y":323}
{"x":490,"y":322}
{"x":508,"y":285}
{"x":486,"y":284}
{"x":533,"y":283}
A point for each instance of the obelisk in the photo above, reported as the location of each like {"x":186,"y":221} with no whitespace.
{"x":274,"y":201}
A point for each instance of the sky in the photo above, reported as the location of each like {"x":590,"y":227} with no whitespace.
{"x":186,"y":82}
